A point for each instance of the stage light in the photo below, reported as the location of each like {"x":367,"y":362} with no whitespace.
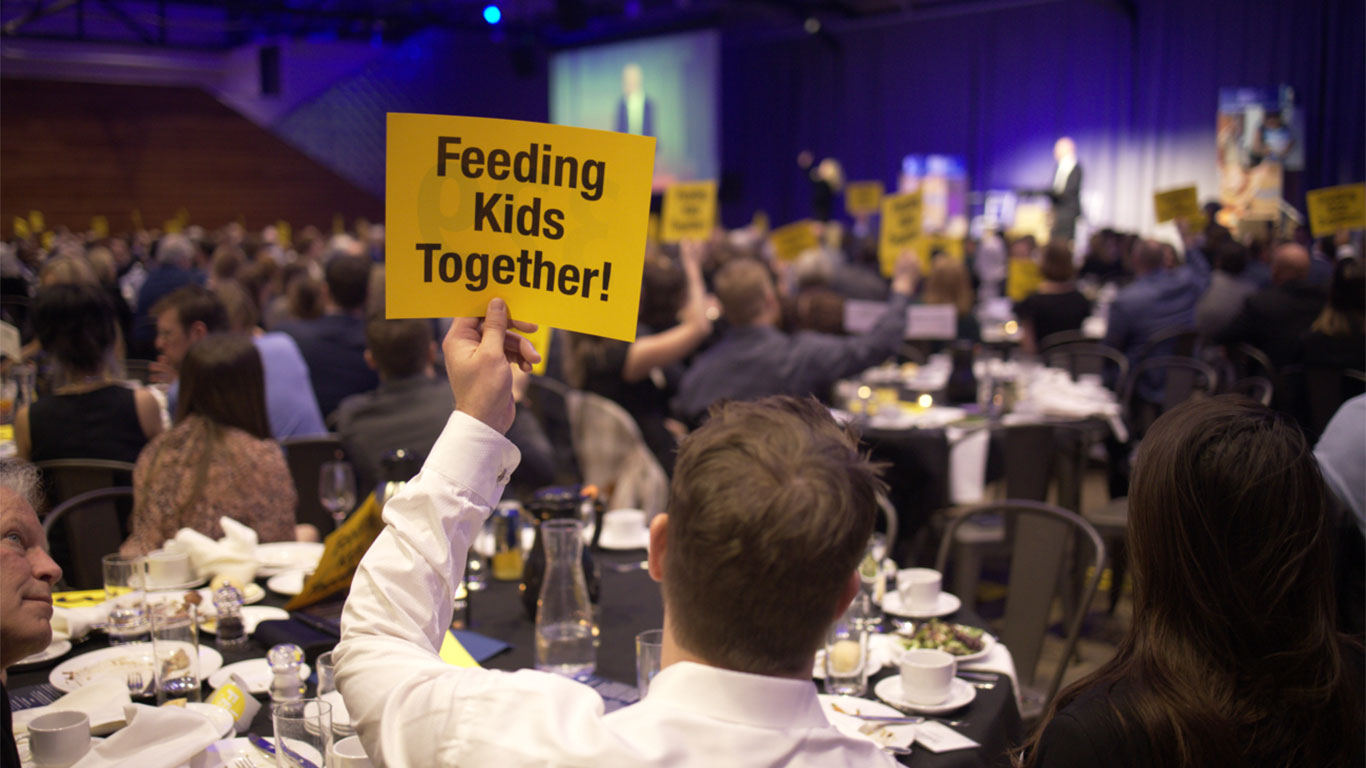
{"x":812,"y":25}
{"x":493,"y":14}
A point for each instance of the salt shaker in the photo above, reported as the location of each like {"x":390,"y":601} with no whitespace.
{"x":232,"y":631}
{"x":286,"y":664}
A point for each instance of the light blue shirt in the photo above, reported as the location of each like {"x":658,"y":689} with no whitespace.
{"x":1342,"y":456}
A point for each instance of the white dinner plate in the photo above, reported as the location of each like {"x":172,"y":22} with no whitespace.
{"x":254,"y":672}
{"x":988,"y":642}
{"x":961,"y":694}
{"x":221,"y":718}
{"x":280,"y":556}
{"x":850,"y":725}
{"x":122,"y":659}
{"x":55,"y":649}
{"x":948,"y":603}
{"x":251,"y":616}
{"x":289,"y":583}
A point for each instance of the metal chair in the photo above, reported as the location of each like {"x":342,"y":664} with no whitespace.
{"x":1179,"y":374}
{"x":1170,"y":342}
{"x":613,"y":455}
{"x":65,"y":479}
{"x":889,"y":519}
{"x":1256,"y":387}
{"x":82,"y":530}
{"x":305,"y":457}
{"x":1089,"y":357}
{"x":1063,"y":337}
{"x":546,"y":397}
{"x":1042,"y":533}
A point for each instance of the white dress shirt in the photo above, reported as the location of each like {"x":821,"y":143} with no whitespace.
{"x":411,"y":709}
{"x":1064,"y":170}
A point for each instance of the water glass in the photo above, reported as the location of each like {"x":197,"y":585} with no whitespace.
{"x":337,"y":489}
{"x":649,"y":658}
{"x":327,"y":673}
{"x":303,"y":729}
{"x":846,"y":658}
{"x":125,"y":594}
{"x":175,"y":646}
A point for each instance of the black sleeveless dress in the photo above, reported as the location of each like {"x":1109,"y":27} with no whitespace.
{"x":99,"y":424}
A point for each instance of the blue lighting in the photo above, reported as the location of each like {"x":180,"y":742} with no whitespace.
{"x":492,"y":14}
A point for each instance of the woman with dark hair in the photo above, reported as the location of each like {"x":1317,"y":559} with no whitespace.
{"x":1056,"y":305}
{"x":1337,"y":338}
{"x":218,"y":459}
{"x":89,"y":413}
{"x":1233,"y":656}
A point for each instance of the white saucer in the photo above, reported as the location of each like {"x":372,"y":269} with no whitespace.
{"x":254,"y":672}
{"x":948,"y":603}
{"x":961,"y":694}
{"x":289,"y":583}
{"x":624,"y":529}
{"x":55,"y":649}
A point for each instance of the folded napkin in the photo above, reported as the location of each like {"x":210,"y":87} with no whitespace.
{"x":900,"y":735}
{"x":234,"y":555}
{"x":967,"y":464}
{"x":76,"y":623}
{"x":156,"y":737}
{"x":1000,"y":661}
{"x":101,"y":699}
{"x":937,"y":737}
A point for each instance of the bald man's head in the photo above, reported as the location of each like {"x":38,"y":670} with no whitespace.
{"x":1289,"y":262}
{"x":1064,"y":147}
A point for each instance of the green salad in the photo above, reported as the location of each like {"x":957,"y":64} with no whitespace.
{"x":956,"y":639}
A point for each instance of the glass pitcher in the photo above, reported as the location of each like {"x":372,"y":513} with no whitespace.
{"x":564,"y":616}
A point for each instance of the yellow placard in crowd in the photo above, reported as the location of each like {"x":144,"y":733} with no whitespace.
{"x":1022,"y":278}
{"x":550,"y":218}
{"x":283,"y":233}
{"x":136,"y":216}
{"x":342,"y":552}
{"x":541,"y":339}
{"x":338,"y":224}
{"x":21,"y":228}
{"x":35,"y":221}
{"x":927,"y":245}
{"x":689,"y":211}
{"x":99,"y":226}
{"x":1334,"y":208}
{"x":789,"y":241}
{"x":901,"y":221}
{"x":172,"y":226}
{"x":1181,"y":203}
{"x":863,"y":198}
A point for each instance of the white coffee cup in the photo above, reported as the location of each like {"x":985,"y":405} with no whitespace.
{"x":623,"y":525}
{"x":58,"y":739}
{"x":348,"y":753}
{"x":927,"y":676}
{"x":919,"y":588}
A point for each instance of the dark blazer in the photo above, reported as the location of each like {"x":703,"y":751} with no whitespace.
{"x":647,"y":123}
{"x":1066,"y":206}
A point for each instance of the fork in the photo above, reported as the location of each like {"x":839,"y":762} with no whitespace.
{"x":136,"y":685}
{"x":242,"y":762}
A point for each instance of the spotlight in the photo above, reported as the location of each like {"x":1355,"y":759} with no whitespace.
{"x":493,"y":14}
{"x":812,"y":25}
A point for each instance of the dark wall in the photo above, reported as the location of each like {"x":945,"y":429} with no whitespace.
{"x":77,"y":150}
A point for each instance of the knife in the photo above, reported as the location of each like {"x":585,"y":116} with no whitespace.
{"x":265,"y":746}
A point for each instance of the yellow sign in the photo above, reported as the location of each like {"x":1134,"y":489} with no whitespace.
{"x":791,"y":240}
{"x":689,"y":211}
{"x":901,"y":216}
{"x":21,"y":229}
{"x":928,"y":245}
{"x":1176,"y":204}
{"x":541,"y":339}
{"x":342,"y":552}
{"x":862,"y":198}
{"x":338,"y":224}
{"x":1334,"y":208}
{"x":35,"y":221}
{"x":47,"y":240}
{"x":550,"y":218}
{"x":172,"y":226}
{"x":283,"y":233}
{"x":99,"y":226}
{"x":1022,"y":278}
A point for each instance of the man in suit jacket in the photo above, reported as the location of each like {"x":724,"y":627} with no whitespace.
{"x":635,"y":110}
{"x":1066,"y":191}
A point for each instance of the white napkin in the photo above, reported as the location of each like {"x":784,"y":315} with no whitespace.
{"x":233,"y":555}
{"x":1000,"y":661}
{"x":76,"y":623}
{"x":101,"y":699}
{"x":937,"y":737}
{"x":967,"y":464}
{"x":156,"y":737}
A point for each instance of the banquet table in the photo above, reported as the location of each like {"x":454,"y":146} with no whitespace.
{"x":630,"y":603}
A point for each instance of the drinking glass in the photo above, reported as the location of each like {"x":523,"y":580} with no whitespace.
{"x":125,"y":594}
{"x":649,"y":656}
{"x":175,"y":648}
{"x":337,"y":489}
{"x":303,"y":729}
{"x":846,"y":658}
{"x":327,"y":680}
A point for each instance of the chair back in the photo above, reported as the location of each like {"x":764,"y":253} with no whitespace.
{"x":1182,"y":378}
{"x":82,"y":530}
{"x":1170,"y":342}
{"x":1042,"y":534}
{"x":65,"y":479}
{"x":613,"y":456}
{"x":1256,"y":387}
{"x":305,"y":457}
{"x":546,"y":396}
{"x":1315,"y":393}
{"x":889,"y":519}
{"x":1059,"y":338}
{"x":1089,"y":357}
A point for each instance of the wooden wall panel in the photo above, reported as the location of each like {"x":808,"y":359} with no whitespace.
{"x":78,"y":150}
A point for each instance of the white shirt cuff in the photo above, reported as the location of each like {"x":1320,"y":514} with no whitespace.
{"x":475,"y":455}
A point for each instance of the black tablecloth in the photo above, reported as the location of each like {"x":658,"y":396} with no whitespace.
{"x":630,"y":603}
